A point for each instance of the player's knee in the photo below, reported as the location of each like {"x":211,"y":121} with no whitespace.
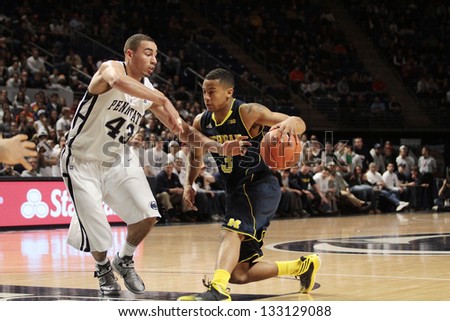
{"x":239,"y":277}
{"x":240,"y":274}
{"x":147,"y":224}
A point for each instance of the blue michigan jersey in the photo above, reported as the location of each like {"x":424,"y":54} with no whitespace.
{"x":235,"y":170}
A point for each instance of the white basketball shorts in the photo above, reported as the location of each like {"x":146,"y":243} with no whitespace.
{"x":124,"y":189}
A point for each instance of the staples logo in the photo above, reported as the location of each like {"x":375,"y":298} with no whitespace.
{"x":62,"y":205}
{"x":30,"y":203}
{"x":34,"y":205}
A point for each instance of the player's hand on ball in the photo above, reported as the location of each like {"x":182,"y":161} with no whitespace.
{"x":291,"y":127}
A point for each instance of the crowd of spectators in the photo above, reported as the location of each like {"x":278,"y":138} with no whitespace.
{"x":301,"y":42}
{"x":413,"y":36}
{"x":351,"y":177}
{"x":316,"y":57}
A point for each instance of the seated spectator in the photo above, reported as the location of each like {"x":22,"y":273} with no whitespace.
{"x":180,"y":169}
{"x":346,"y":200}
{"x":358,"y":185}
{"x":442,"y":202}
{"x":419,"y":190}
{"x":14,"y":81}
{"x":74,"y":59}
{"x":6,"y":124}
{"x":376,"y":180}
{"x":53,"y":104}
{"x":377,"y":106}
{"x":169,"y":194}
{"x":35,"y":63}
{"x":33,"y":172}
{"x":342,"y":87}
{"x":351,"y":158}
{"x":8,"y":170}
{"x":20,"y":99}
{"x":407,"y":182}
{"x":392,"y":182}
{"x":211,"y":203}
{"x":41,"y":124}
{"x":46,"y":158}
{"x":291,"y":202}
{"x":54,"y":77}
{"x":156,"y":157}
{"x":173,"y":147}
{"x":325,"y":191}
{"x":61,"y":84}
{"x":15,"y":67}
{"x":395,"y":106}
{"x":63,"y":123}
{"x":38,"y":81}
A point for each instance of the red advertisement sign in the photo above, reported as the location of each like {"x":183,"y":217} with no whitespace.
{"x":34,"y":203}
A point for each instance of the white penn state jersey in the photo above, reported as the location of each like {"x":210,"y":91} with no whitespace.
{"x":103,"y":124}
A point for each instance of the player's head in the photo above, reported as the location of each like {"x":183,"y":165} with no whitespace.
{"x":218,"y":89}
{"x":134,"y":42}
{"x":224,"y":76}
{"x":140,"y":54}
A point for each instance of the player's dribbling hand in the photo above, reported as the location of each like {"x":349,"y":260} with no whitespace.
{"x":292,"y":126}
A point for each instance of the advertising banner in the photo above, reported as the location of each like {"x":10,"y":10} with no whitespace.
{"x":37,"y":203}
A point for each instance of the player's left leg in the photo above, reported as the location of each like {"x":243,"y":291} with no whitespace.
{"x":305,"y":268}
{"x":131,"y":198}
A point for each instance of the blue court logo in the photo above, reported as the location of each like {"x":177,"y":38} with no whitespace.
{"x":411,"y":244}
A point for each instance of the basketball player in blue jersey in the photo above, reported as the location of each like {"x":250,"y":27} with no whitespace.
{"x":92,"y":163}
{"x":253,"y":193}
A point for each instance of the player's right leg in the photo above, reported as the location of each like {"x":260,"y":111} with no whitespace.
{"x":106,"y":278}
{"x":89,"y":230}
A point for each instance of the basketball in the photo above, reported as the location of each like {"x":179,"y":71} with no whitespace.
{"x":280,"y":154}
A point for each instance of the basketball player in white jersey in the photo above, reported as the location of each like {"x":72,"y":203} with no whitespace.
{"x":96,"y":168}
{"x":92,"y":161}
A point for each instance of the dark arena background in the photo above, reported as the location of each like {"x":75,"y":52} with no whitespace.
{"x":369,"y":78}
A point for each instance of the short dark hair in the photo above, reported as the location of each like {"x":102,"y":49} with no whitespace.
{"x":134,"y":41}
{"x":224,"y":76}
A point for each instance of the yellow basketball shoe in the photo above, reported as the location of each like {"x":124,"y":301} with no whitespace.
{"x":214,"y":293}
{"x":309,"y":265}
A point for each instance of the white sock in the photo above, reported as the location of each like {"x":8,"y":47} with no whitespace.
{"x":127,"y":250}
{"x":103,"y":262}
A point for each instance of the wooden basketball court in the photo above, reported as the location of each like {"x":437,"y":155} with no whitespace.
{"x":387,"y":257}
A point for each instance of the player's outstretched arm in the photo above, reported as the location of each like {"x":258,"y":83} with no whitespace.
{"x":14,"y":150}
{"x":257,"y":114}
{"x":196,"y":139}
{"x":111,"y":74}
